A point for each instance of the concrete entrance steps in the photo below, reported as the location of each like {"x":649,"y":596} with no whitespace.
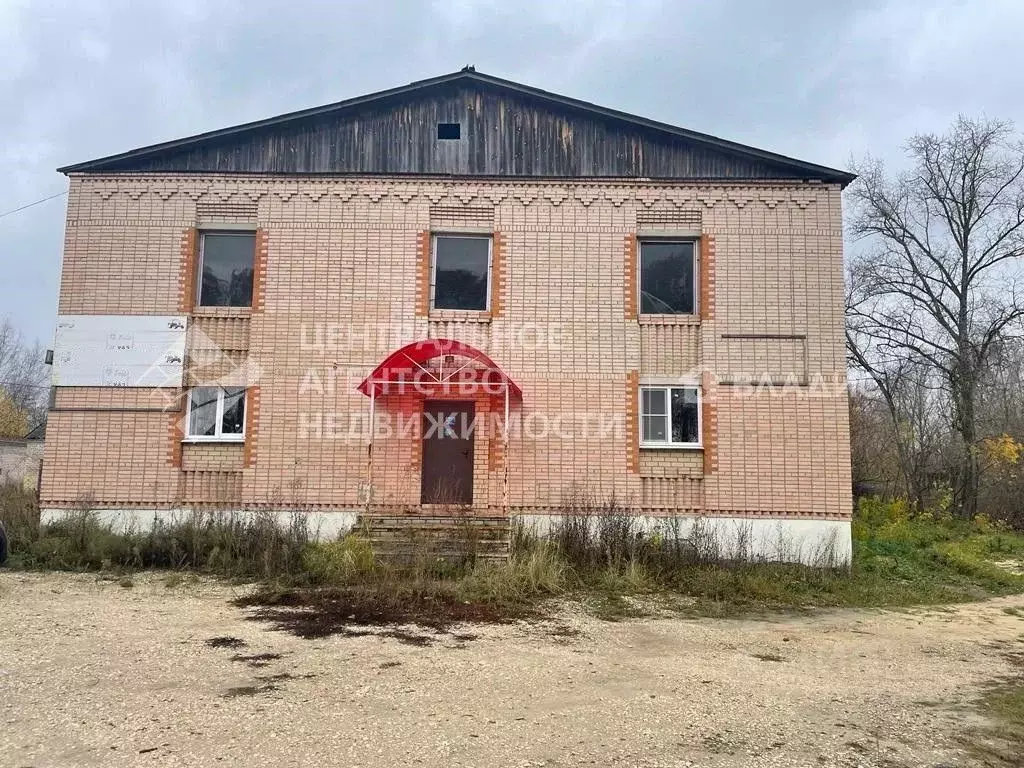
{"x":406,"y":537}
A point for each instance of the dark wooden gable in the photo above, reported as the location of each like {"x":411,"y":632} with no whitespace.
{"x":505,"y":130}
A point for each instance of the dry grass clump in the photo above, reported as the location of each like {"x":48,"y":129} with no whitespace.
{"x":598,"y":552}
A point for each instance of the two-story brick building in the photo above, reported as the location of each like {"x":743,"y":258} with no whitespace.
{"x":616,"y":304}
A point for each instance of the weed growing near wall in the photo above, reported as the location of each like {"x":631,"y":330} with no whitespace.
{"x":598,"y":554}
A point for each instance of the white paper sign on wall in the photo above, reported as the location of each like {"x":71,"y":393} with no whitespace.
{"x":119,"y":350}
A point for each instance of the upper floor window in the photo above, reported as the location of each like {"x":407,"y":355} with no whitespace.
{"x":461,"y":272}
{"x":226,"y":268}
{"x":668,"y":277}
{"x":216,"y":414}
{"x":670,"y":417}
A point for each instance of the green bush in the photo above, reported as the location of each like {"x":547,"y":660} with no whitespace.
{"x":875,"y":515}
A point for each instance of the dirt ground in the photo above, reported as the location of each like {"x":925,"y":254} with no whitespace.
{"x":95,"y":673}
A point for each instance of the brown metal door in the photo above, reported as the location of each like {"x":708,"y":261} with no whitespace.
{"x":447,"y":476}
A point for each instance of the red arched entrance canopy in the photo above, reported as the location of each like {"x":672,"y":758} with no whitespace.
{"x":411,"y":370}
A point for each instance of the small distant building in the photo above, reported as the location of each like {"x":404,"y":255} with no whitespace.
{"x":20,"y":459}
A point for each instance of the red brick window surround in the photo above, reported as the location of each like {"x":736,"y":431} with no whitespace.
{"x":176,"y":432}
{"x":177,"y":428}
{"x":709,"y":423}
{"x":423,"y":247}
{"x":499,"y":248}
{"x":259,"y":272}
{"x":632,"y":421}
{"x":630,"y":275}
{"x":188,"y":270}
{"x":707,"y":277}
{"x":252,"y":425}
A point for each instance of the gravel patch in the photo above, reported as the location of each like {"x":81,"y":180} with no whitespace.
{"x":92,"y":673}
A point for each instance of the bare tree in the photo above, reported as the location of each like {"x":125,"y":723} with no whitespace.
{"x":876,"y":468}
{"x":23,"y":376}
{"x":939,"y":284}
{"x":1001,"y":390}
{"x":907,"y":452}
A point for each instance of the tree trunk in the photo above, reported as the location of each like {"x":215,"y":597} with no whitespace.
{"x":969,"y":470}
{"x":964,"y":392}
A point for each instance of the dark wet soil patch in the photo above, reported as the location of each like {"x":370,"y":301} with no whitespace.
{"x":564,"y":630}
{"x":225,"y":642}
{"x":356,"y":612}
{"x":263,"y":684}
{"x":256,"y":659}
{"x":280,"y":677}
{"x":563,"y":633}
{"x":248,"y":690}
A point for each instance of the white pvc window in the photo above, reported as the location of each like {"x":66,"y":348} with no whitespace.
{"x":216,"y":414}
{"x":461,"y":273}
{"x":670,"y":417}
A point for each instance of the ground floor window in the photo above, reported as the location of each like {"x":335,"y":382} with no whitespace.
{"x":216,"y":413}
{"x":670,"y":417}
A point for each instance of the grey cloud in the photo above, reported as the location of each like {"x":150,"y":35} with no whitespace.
{"x":820,"y":81}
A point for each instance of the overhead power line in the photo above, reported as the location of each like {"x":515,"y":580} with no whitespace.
{"x":29,"y":205}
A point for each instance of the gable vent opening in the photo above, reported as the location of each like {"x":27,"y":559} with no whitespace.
{"x":449,"y":131}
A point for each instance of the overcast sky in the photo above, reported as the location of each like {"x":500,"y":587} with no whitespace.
{"x":822,"y":81}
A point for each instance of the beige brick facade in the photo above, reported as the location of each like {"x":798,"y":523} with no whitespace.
{"x":342,"y":279}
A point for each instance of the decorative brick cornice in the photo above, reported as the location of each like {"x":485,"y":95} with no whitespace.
{"x":632,"y":421}
{"x":246,"y":190}
{"x":423,"y":274}
{"x":629,"y":273}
